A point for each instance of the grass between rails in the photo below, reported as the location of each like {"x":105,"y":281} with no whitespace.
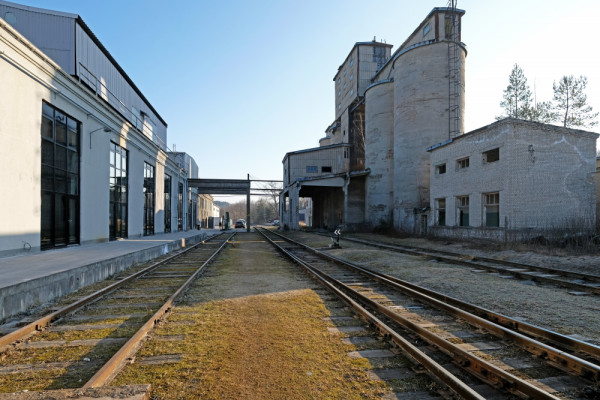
{"x":265,"y":346}
{"x":254,"y":329}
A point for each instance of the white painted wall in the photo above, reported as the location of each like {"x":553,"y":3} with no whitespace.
{"x":28,"y":77}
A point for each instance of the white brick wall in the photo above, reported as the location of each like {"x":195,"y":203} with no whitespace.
{"x":545,"y":175}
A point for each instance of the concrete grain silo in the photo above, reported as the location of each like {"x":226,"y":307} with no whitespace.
{"x":427,"y":72}
{"x":379,"y":153}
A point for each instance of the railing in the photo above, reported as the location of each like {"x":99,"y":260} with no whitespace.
{"x":101,"y":90}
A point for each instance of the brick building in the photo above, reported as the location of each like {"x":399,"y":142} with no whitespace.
{"x":379,"y":164}
{"x":513,"y":177}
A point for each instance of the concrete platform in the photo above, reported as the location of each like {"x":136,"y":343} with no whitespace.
{"x":33,"y":279}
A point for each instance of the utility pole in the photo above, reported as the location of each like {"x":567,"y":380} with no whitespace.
{"x":248,"y":206}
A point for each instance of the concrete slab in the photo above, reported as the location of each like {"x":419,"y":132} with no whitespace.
{"x":376,"y":353}
{"x":73,"y":343}
{"x":36,"y":278}
{"x":359,"y":340}
{"x":346,"y":329}
{"x":163,"y":359}
{"x":410,"y":396}
{"x":479,"y":346}
{"x":387,"y":374}
{"x":131,"y":392}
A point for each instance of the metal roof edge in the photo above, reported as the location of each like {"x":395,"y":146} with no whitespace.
{"x":87,"y":30}
{"x":39,"y":10}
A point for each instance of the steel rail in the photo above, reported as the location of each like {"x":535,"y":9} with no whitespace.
{"x":518,"y":268}
{"x":557,"y":357}
{"x":487,"y":372}
{"x":41,"y":323}
{"x":557,"y":339}
{"x":111,"y":368}
{"x":438,"y":372}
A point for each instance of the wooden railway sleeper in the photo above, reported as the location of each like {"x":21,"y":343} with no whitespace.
{"x":438,"y":372}
{"x":572,"y":364}
{"x":485,"y":371}
{"x":493,"y":375}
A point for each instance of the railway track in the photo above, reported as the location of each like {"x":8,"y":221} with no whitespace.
{"x":85,"y":344}
{"x":516,"y":359}
{"x":577,"y":282}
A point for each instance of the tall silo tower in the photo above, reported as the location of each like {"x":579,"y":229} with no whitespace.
{"x":428,"y":73}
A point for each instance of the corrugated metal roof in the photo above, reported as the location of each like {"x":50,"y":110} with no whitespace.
{"x":94,"y":38}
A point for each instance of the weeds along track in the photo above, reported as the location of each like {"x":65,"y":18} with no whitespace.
{"x":576,"y":282}
{"x":453,"y":343}
{"x":84,"y":344}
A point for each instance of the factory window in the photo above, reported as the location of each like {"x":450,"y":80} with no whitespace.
{"x":440,"y":169}
{"x":448,"y":27}
{"x":345,"y":72}
{"x":345,"y":85}
{"x":491,"y":155}
{"x":351,"y":62}
{"x":312,"y":169}
{"x":149,"y":185}
{"x":339,"y":93}
{"x":325,"y":169}
{"x":180,"y":207}
{"x":440,"y":212}
{"x":351,"y":76}
{"x":167,"y":203}
{"x":462,"y":210}
{"x":60,"y":135}
{"x":491,"y":209}
{"x":351,"y":92}
{"x":426,"y":29}
{"x":463,"y":163}
{"x":339,"y":106}
{"x":118,"y":201}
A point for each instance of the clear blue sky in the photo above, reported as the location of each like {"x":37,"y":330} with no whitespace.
{"x":240,"y":83}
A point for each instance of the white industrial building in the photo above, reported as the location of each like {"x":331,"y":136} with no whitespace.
{"x":513,"y":177}
{"x":399,"y":121}
{"x":85,"y":152}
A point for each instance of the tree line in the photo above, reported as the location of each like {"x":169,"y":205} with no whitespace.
{"x":261,"y":211}
{"x":568,"y":106}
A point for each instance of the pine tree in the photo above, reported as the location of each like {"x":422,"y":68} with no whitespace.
{"x":517,"y":96}
{"x":570,"y":103}
{"x":541,"y":112}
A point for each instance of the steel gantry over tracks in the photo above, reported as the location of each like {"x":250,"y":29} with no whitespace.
{"x":232,"y":187}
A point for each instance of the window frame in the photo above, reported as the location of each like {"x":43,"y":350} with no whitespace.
{"x":440,"y":210}
{"x":60,"y":187}
{"x":440,"y":169}
{"x":463,"y":163}
{"x":426,"y":29}
{"x":168,"y":198}
{"x":491,"y":205}
{"x":116,"y":197}
{"x":149,"y":187}
{"x":495,"y":152}
{"x":462,"y":210}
